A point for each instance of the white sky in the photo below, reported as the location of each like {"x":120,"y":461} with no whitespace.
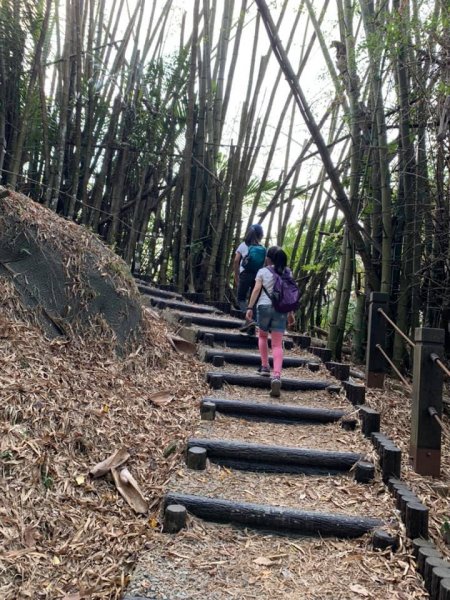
{"x":315,"y":79}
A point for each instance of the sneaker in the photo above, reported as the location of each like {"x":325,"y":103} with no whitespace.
{"x":275,"y":387}
{"x":264,"y":371}
{"x":249,"y":325}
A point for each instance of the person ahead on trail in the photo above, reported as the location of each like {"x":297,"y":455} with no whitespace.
{"x":275,"y":296}
{"x":249,"y":258}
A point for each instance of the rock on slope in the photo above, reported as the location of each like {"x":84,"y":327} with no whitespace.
{"x":64,"y":273}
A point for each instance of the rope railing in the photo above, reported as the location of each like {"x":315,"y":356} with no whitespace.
{"x":427,"y":425}
{"x":394,"y":368}
{"x":435,"y":358}
{"x":396,"y":327}
{"x":434,"y":413}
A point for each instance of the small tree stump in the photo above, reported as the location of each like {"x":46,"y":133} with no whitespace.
{"x":196,"y":458}
{"x":349,"y":424}
{"x":437,"y":576}
{"x":364,"y":471}
{"x":174,"y":518}
{"x":416,"y":520}
{"x":207,"y":411}
{"x":399,"y":489}
{"x":405,"y":499}
{"x":432,"y":562}
{"x":382,"y":540}
{"x":216,"y":381}
{"x":323,"y":353}
{"x":370,"y":419}
{"x":392,"y":482}
{"x":333,"y":389}
{"x":356,"y":393}
{"x":444,"y":589}
{"x":304,"y":341}
{"x":208,"y":339}
{"x":420,"y":542}
{"x":218,"y":360}
{"x":339,"y":370}
{"x":377,"y":439}
{"x":424,"y":553}
{"x":313,"y":367}
{"x":392,"y":457}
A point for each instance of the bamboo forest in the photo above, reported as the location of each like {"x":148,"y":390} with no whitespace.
{"x":224,"y":299}
{"x":169,"y":145}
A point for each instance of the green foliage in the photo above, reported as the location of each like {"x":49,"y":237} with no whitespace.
{"x":266,"y":190}
{"x":6,"y":455}
{"x":445,"y":527}
{"x":161,"y":106}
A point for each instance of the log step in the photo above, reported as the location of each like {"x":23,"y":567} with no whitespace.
{"x":224,"y":307}
{"x":209,"y":321}
{"x":273,"y":518}
{"x":283,"y":413}
{"x":243,"y":358}
{"x":237,"y":340}
{"x":183,"y":306}
{"x":148,"y":289}
{"x":282,"y":459}
{"x":246,"y":380}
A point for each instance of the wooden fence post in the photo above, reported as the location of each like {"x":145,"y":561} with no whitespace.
{"x":425,"y":445}
{"x":376,"y":334}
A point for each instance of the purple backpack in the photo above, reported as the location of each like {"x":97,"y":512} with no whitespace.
{"x":286,"y":295}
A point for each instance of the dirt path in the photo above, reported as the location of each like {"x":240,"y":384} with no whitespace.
{"x":208,"y":560}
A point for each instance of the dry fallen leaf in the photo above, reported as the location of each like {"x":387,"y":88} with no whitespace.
{"x":30,"y":535}
{"x":80,"y":479}
{"x":263,"y":560}
{"x":129,"y":490}
{"x":359,"y":589}
{"x":115,"y":460}
{"x":161,"y":398}
{"x":182,"y":345}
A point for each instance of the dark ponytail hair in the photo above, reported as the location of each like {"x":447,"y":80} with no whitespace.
{"x":278,"y":258}
{"x":254,"y":235}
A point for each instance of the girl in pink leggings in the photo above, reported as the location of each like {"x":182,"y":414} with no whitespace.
{"x":268,"y":319}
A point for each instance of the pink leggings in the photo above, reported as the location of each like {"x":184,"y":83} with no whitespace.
{"x":277,"y":350}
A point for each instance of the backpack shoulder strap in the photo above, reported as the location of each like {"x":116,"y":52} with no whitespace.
{"x":275,"y":274}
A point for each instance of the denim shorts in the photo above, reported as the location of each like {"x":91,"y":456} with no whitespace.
{"x":269,"y":319}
